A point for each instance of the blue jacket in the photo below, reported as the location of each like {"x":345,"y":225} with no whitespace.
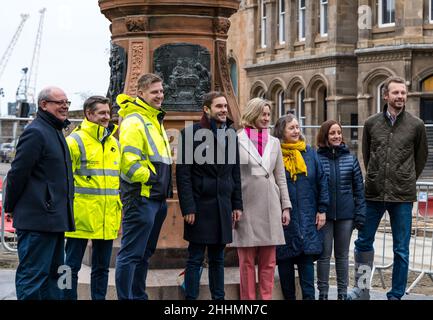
{"x":40,"y":185}
{"x":346,"y":187}
{"x":309,"y":195}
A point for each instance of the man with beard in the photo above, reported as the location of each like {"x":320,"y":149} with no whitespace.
{"x":209,"y":189}
{"x":394,"y":147}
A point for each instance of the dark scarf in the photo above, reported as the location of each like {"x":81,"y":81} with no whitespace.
{"x":210,"y":124}
{"x":52,"y":120}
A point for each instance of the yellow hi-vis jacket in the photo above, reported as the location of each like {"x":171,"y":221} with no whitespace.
{"x":96,"y":169}
{"x":146,"y":156}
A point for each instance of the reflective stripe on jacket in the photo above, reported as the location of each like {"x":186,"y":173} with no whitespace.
{"x":96,"y":168}
{"x":146,"y":155}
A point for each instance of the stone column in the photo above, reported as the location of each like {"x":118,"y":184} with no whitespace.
{"x":271,"y":27}
{"x":413,"y":103}
{"x":363,"y":113}
{"x":333,"y":21}
{"x":364,"y":23}
{"x":308,"y":121}
{"x":409,"y":18}
{"x":289,"y":104}
{"x":331,"y":102}
{"x":291,"y":25}
{"x":310,"y":26}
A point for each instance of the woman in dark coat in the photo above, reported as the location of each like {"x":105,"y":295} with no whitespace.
{"x":347,"y":206}
{"x":308,"y":191}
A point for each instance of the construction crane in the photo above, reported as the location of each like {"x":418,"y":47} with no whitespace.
{"x":32,"y":75}
{"x":21,"y":94}
{"x":7,"y":54}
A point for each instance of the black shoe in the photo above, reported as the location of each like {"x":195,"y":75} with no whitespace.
{"x":323,"y":297}
{"x":342,"y":296}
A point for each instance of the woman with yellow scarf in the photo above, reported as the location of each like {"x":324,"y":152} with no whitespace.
{"x":308,"y":191}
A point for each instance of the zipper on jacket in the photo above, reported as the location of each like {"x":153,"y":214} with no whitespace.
{"x":335,"y":183}
{"x":299,"y":214}
{"x":105,"y":187}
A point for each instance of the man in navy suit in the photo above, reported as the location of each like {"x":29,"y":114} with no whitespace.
{"x":39,"y":195}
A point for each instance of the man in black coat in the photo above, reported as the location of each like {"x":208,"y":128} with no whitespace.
{"x":209,"y":190}
{"x":39,"y":195}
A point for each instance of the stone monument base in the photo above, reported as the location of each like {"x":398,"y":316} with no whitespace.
{"x":164,"y":258}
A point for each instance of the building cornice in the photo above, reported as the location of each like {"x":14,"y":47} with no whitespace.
{"x":305,"y":63}
{"x":381,"y":49}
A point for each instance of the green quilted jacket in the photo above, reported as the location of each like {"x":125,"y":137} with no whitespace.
{"x":394,"y":156}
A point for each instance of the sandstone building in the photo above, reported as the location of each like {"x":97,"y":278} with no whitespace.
{"x":328,"y":59}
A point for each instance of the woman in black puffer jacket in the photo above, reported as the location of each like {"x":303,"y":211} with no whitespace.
{"x":346,"y":206}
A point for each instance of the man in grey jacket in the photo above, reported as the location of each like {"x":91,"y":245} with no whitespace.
{"x":394,"y":147}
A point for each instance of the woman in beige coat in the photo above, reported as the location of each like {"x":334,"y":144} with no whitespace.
{"x":266,"y":201}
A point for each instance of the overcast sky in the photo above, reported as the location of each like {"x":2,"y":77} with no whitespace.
{"x":74,"y":50}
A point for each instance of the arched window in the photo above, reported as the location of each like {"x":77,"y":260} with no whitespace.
{"x":300,"y":107}
{"x":234,"y":75}
{"x":427,"y":84}
{"x":280,"y":103}
{"x":258,"y":92}
{"x":380,"y":101}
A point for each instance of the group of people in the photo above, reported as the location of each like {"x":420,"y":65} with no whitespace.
{"x":273,"y":197}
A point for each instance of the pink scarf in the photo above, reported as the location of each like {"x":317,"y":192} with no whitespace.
{"x":258,"y":137}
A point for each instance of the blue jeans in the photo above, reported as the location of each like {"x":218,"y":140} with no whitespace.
{"x":215,"y":254}
{"x":40,"y":256}
{"x":400,"y":214}
{"x":101,"y":254}
{"x":142,"y":222}
{"x":286,"y":271}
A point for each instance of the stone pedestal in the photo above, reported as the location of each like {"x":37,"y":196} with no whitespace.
{"x":184,"y":42}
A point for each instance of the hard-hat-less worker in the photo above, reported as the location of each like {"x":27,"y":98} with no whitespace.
{"x":39,"y":194}
{"x":145,"y":183}
{"x":95,"y":155}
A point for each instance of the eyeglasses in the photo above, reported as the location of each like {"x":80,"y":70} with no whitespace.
{"x":60,"y":102}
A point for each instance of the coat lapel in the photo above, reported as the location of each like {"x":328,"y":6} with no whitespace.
{"x":249,"y":147}
{"x":266,"y":158}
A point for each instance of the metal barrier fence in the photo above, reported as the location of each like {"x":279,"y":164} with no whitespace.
{"x":422,"y":234}
{"x":421,"y":245}
{"x":8,"y":235}
{"x":421,"y":242}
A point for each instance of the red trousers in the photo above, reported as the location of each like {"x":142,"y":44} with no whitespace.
{"x":266,"y":270}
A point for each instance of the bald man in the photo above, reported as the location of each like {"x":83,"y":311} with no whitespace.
{"x":39,"y":195}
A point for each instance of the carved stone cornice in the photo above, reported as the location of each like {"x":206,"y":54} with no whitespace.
{"x":385,"y":56}
{"x":423,"y":53}
{"x":221,"y":26}
{"x":137,"y":23}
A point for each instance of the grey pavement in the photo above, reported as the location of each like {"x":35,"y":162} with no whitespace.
{"x":162,"y":285}
{"x":7,"y":284}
